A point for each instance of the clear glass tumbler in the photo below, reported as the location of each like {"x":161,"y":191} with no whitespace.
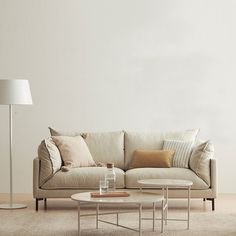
{"x":103,"y":186}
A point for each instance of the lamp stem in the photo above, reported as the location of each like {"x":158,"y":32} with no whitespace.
{"x":10,"y":145}
{"x":11,"y":205}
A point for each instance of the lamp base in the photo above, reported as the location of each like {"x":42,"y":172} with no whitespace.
{"x":12,"y":206}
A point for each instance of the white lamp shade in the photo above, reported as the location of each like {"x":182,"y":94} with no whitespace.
{"x":16,"y":91}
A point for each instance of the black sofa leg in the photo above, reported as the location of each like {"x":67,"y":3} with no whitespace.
{"x":45,"y":203}
{"x":37,"y":203}
{"x":212,"y":203}
{"x":204,"y":199}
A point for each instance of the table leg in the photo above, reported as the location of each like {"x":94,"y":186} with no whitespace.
{"x":97,"y":213}
{"x":164,"y":194}
{"x":140,"y":219}
{"x":167,"y":205}
{"x":162,"y":215}
{"x":78,"y":218}
{"x":153,"y":216}
{"x":188,"y":206}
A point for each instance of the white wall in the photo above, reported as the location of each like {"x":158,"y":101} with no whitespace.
{"x":125,"y":64}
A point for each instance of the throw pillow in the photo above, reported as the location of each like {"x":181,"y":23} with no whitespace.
{"x":187,"y":135}
{"x":182,"y":149}
{"x":50,"y":158}
{"x":54,"y":153}
{"x":200,"y":160}
{"x":155,"y":158}
{"x":74,"y":151}
{"x":54,"y":132}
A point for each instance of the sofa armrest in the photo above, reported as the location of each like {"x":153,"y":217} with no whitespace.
{"x":213,"y":169}
{"x":36,"y":166}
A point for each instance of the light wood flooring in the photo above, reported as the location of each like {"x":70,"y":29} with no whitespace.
{"x":225,"y":203}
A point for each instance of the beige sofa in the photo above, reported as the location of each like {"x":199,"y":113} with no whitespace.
{"x":117,"y":147}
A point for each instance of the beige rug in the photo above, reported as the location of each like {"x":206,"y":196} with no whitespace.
{"x":61,"y":220}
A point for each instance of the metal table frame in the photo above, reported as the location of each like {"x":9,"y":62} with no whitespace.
{"x":165,"y":190}
{"x":140,"y":206}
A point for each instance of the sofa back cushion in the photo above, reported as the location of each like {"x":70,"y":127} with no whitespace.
{"x":107,"y":147}
{"x":104,"y":147}
{"x":152,"y":141}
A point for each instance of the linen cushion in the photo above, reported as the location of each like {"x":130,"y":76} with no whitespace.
{"x":133,"y":175}
{"x":200,"y":160}
{"x":50,"y":159}
{"x":182,"y":149}
{"x":82,"y":178}
{"x":153,"y":141}
{"x":105,"y":146}
{"x":74,"y":151}
{"x":54,"y":132}
{"x":152,"y":158}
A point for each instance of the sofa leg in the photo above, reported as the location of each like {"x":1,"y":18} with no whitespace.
{"x":37,"y":203}
{"x":45,"y":203}
{"x":204,"y":199}
{"x":212,"y":203}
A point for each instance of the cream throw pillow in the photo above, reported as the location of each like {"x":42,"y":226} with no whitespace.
{"x":54,"y":154}
{"x":54,"y":132}
{"x":50,"y":160}
{"x":183,"y":150}
{"x":200,"y":160}
{"x":74,"y":151}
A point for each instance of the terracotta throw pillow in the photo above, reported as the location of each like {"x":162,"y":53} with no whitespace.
{"x":152,"y":158}
{"x":74,"y":152}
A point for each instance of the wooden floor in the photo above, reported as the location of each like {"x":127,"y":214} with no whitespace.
{"x":224,"y":203}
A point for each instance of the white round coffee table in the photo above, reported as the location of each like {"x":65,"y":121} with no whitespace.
{"x":165,"y":185}
{"x":136,"y":198}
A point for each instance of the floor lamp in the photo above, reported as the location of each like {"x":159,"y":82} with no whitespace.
{"x":13,"y":92}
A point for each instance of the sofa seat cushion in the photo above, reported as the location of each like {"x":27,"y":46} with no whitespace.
{"x":133,"y":175}
{"x":82,"y":178}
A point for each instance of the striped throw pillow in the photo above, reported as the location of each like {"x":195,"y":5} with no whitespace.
{"x":183,"y":150}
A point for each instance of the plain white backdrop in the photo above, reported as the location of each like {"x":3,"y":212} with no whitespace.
{"x":105,"y":65}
